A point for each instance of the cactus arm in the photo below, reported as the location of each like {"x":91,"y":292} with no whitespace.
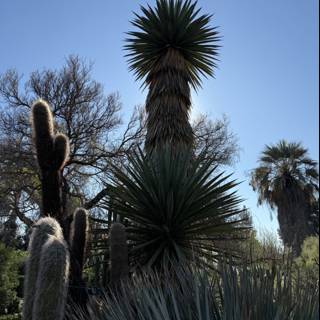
{"x":60,"y":151}
{"x":42,"y":124}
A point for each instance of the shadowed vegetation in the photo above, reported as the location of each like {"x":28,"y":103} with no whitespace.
{"x":175,"y":207}
{"x":287,"y":180}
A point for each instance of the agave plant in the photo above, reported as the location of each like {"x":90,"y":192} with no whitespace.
{"x":176,"y":207}
{"x":171,"y":48}
{"x":236,"y":293}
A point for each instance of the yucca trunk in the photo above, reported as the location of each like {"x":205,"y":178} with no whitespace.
{"x":168,"y":104}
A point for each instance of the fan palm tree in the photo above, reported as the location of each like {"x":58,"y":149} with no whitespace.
{"x":171,"y":49}
{"x":287,"y":180}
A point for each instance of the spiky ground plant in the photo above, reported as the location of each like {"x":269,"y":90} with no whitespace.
{"x":238,"y":293}
{"x":176,"y":208}
{"x":173,"y":46}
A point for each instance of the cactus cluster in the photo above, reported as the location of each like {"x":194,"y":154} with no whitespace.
{"x":52,"y":154}
{"x":52,"y":269}
{"x":58,"y":242}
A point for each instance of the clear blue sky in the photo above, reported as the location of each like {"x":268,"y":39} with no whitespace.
{"x":267,"y":82}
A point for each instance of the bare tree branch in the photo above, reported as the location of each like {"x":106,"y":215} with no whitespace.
{"x":83,"y":112}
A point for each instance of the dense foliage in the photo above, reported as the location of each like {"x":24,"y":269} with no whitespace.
{"x":10,"y":264}
{"x":308,"y":261}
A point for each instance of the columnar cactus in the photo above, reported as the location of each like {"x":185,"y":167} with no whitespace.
{"x":52,"y":281}
{"x":59,"y":244}
{"x":78,"y":235}
{"x":42,"y":231}
{"x":52,"y":154}
{"x":119,"y":267}
{"x":78,"y":244}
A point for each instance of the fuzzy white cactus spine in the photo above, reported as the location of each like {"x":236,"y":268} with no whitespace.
{"x":42,"y":230}
{"x":52,"y":281}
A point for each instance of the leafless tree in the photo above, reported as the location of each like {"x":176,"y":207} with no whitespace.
{"x":83,"y":112}
{"x":215,"y":139}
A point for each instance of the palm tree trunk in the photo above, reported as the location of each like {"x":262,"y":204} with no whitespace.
{"x":294,"y":227}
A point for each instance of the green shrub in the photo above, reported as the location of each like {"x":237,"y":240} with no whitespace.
{"x":10,"y":262}
{"x":11,"y":317}
{"x":309,"y":257}
{"x":308,"y":261}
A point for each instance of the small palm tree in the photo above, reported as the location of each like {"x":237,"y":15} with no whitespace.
{"x":287,"y":179}
{"x":173,"y":47}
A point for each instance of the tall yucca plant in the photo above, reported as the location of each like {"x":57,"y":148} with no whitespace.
{"x":171,"y":49}
{"x":175,"y":208}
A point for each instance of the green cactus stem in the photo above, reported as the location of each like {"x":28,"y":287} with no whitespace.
{"x":119,"y":267}
{"x":52,"y":281}
{"x":79,"y":235}
{"x":78,"y":243}
{"x":52,"y":154}
{"x":42,"y":122}
{"x":42,"y":230}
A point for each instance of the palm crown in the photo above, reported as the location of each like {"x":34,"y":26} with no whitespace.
{"x":285,"y":168}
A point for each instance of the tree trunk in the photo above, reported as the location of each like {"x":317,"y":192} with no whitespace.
{"x":294,"y":227}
